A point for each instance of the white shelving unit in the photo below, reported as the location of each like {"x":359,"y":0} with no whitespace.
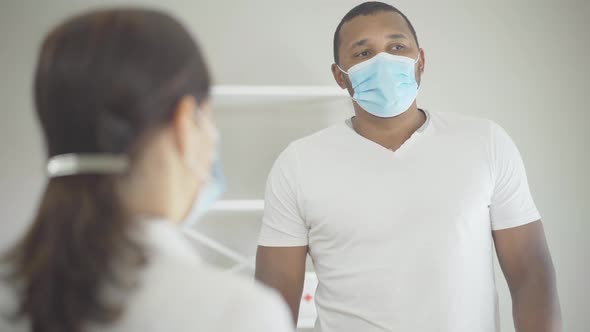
{"x":238,"y":205}
{"x":277,"y":90}
{"x":249,"y":97}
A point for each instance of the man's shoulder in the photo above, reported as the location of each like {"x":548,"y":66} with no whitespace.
{"x":318,"y":142}
{"x":324,"y":136}
{"x":462,"y":124}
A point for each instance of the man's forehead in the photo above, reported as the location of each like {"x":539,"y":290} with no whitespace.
{"x":364,"y":25}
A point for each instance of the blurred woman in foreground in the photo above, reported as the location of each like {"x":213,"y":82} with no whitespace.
{"x":122,"y":97}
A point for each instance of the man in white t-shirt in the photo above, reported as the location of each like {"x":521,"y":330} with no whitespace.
{"x":400,"y":208}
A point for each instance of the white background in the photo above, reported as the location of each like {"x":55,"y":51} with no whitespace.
{"x":522,"y":63}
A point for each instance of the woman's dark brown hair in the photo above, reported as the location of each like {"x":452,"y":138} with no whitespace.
{"x":104,"y":79}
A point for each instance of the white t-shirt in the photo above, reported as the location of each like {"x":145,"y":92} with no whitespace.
{"x":400,"y":241}
{"x":178,"y":292}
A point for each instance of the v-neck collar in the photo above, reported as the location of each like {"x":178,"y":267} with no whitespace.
{"x":409,"y":142}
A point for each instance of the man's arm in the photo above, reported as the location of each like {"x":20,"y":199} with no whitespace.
{"x":283,"y":268}
{"x":526,"y":262}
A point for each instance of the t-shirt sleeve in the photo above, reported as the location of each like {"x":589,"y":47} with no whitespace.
{"x":282,"y":223}
{"x":512,"y":204}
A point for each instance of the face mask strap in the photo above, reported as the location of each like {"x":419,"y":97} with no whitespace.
{"x":345,"y":72}
{"x":342,"y":70}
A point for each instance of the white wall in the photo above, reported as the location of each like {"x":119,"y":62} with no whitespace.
{"x":522,"y":63}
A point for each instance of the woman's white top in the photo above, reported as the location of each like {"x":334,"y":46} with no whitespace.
{"x":178,"y":292}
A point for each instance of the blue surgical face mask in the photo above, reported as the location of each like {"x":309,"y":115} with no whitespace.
{"x":207,"y":196}
{"x":210,"y":193}
{"x":384,"y":85}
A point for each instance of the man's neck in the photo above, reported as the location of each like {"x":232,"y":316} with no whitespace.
{"x":391,"y":133}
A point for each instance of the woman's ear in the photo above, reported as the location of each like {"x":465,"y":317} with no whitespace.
{"x":183,"y":125}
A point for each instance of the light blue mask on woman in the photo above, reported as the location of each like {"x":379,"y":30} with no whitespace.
{"x":209,"y":194}
{"x":384,"y":85}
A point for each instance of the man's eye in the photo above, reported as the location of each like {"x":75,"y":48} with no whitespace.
{"x":362,"y":54}
{"x":398,"y":47}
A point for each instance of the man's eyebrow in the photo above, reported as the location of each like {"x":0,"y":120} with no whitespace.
{"x":364,"y":41}
{"x":358,"y":43}
{"x":397,"y":36}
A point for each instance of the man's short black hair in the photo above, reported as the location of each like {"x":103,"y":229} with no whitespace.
{"x":364,"y":9}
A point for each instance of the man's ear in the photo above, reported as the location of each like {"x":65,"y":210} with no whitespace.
{"x":342,"y":79}
{"x":339,"y":76}
{"x":422,"y":62}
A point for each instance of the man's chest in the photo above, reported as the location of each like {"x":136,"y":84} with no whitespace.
{"x":353,"y":200}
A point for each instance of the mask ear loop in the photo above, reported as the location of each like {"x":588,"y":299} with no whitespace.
{"x":345,"y":72}
{"x":351,"y":97}
{"x":342,"y":70}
